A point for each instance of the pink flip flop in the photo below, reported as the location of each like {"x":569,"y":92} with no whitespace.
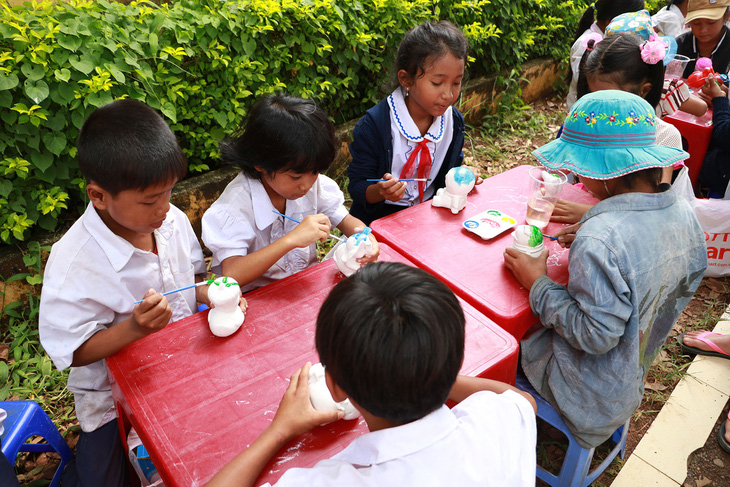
{"x":718,"y":352}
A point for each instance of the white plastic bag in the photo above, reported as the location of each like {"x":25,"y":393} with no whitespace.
{"x":714,"y":217}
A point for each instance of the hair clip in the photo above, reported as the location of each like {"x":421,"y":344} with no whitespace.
{"x":589,"y":43}
{"x":653,"y":50}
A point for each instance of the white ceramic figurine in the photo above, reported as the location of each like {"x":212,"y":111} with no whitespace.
{"x":321,"y":398}
{"x":459,"y":181}
{"x":528,"y":240}
{"x":347,"y":253}
{"x":226,"y":316}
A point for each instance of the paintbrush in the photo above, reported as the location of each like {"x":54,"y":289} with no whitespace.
{"x":208,"y":282}
{"x":404,"y":179}
{"x":297,"y":221}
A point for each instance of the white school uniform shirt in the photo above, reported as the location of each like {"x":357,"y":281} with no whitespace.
{"x":242,"y":221}
{"x":576,"y":53}
{"x":91,"y":281}
{"x":669,"y":21}
{"x":487,"y":440}
{"x":406,"y":136}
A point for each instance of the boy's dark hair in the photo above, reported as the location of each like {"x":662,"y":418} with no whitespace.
{"x":618,"y":58}
{"x":426,"y":43}
{"x":651,"y":175}
{"x":128,"y":145}
{"x":392,"y":337}
{"x":282,"y":133}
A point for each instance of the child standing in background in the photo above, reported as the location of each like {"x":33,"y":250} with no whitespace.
{"x":604,"y":11}
{"x":129,"y":243}
{"x":669,"y":21}
{"x":414,"y":132}
{"x":636,"y":259}
{"x":283,"y":147}
{"x":707,"y":36}
{"x":398,"y":363}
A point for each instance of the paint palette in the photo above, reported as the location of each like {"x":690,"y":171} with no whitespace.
{"x":489,"y":223}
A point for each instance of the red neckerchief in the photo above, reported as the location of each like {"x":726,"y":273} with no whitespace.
{"x":424,"y":166}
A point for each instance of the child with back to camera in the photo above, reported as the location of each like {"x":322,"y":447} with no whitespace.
{"x":130,"y":243}
{"x":415,"y":132}
{"x":282,"y":149}
{"x":391,"y":338}
{"x":604,"y":11}
{"x":636,"y":259}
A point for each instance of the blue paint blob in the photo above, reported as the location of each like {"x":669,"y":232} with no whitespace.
{"x":463,"y":176}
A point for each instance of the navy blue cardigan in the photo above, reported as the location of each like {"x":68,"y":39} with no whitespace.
{"x":715,"y":170}
{"x":372,"y":156}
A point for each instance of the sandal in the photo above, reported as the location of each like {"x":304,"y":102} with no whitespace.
{"x":721,"y":437}
{"x":718,"y":352}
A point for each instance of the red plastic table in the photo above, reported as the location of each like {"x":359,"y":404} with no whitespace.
{"x":435,"y":240}
{"x":697,"y":131}
{"x":197,"y":400}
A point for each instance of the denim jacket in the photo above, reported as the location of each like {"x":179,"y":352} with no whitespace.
{"x":634,"y":265}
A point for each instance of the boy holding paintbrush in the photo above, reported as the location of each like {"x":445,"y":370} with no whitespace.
{"x":130,"y":243}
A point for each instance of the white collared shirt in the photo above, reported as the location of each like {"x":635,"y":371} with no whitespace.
{"x":91,"y":281}
{"x":242,"y":221}
{"x":576,"y":53}
{"x":486,"y":440}
{"x":406,"y":137}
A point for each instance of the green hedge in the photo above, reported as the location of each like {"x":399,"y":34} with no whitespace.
{"x":202,"y":64}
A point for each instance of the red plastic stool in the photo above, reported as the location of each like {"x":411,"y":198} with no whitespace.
{"x":697,"y":131}
{"x":26,"y":419}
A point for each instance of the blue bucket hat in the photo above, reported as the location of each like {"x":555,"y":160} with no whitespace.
{"x":608,"y":134}
{"x":639,"y":23}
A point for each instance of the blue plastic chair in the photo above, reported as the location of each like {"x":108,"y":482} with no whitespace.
{"x":574,"y":472}
{"x":26,"y":419}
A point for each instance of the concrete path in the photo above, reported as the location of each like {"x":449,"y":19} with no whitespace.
{"x":683,"y":425}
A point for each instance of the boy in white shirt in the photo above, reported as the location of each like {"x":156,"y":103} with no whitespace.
{"x":129,"y":244}
{"x":391,"y":338}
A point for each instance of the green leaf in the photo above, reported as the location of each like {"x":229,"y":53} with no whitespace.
{"x":81,"y":64}
{"x":57,"y":122}
{"x":41,"y":161}
{"x":117,"y":73}
{"x":36,"y":91}
{"x":35,"y":279}
{"x":55,"y":142}
{"x":8,"y":81}
{"x":48,"y":223}
{"x":6,"y":99}
{"x":62,"y":74}
{"x":168,"y":110}
{"x":5,"y":187}
{"x":153,"y":43}
{"x":33,"y":72}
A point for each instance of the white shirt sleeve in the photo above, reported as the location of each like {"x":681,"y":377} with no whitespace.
{"x":330,"y":200}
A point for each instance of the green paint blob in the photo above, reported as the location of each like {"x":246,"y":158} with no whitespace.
{"x":535,"y":236}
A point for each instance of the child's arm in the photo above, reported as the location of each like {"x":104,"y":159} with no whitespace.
{"x":350,"y":226}
{"x":466,"y":386}
{"x":567,"y":211}
{"x":247,"y":268}
{"x":294,"y":417}
{"x":149,"y":316}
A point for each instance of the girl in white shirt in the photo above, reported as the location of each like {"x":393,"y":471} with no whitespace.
{"x":603,"y":11}
{"x":281,"y":150}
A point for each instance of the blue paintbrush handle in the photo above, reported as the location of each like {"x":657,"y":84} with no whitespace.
{"x":297,"y":221}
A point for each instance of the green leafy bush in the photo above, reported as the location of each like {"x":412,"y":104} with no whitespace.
{"x":203,"y":63}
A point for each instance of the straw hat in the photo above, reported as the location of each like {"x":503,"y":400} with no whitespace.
{"x":705,"y":9}
{"x":608,"y":134}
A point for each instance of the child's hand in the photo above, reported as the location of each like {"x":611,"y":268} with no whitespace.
{"x":243,"y":304}
{"x":526,"y":269}
{"x":567,"y":235}
{"x":312,"y":228}
{"x":566,"y":211}
{"x":392,"y":189}
{"x":478,"y":179}
{"x":374,"y":253}
{"x":296,"y":415}
{"x":712,"y":88}
{"x":152,"y":314}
